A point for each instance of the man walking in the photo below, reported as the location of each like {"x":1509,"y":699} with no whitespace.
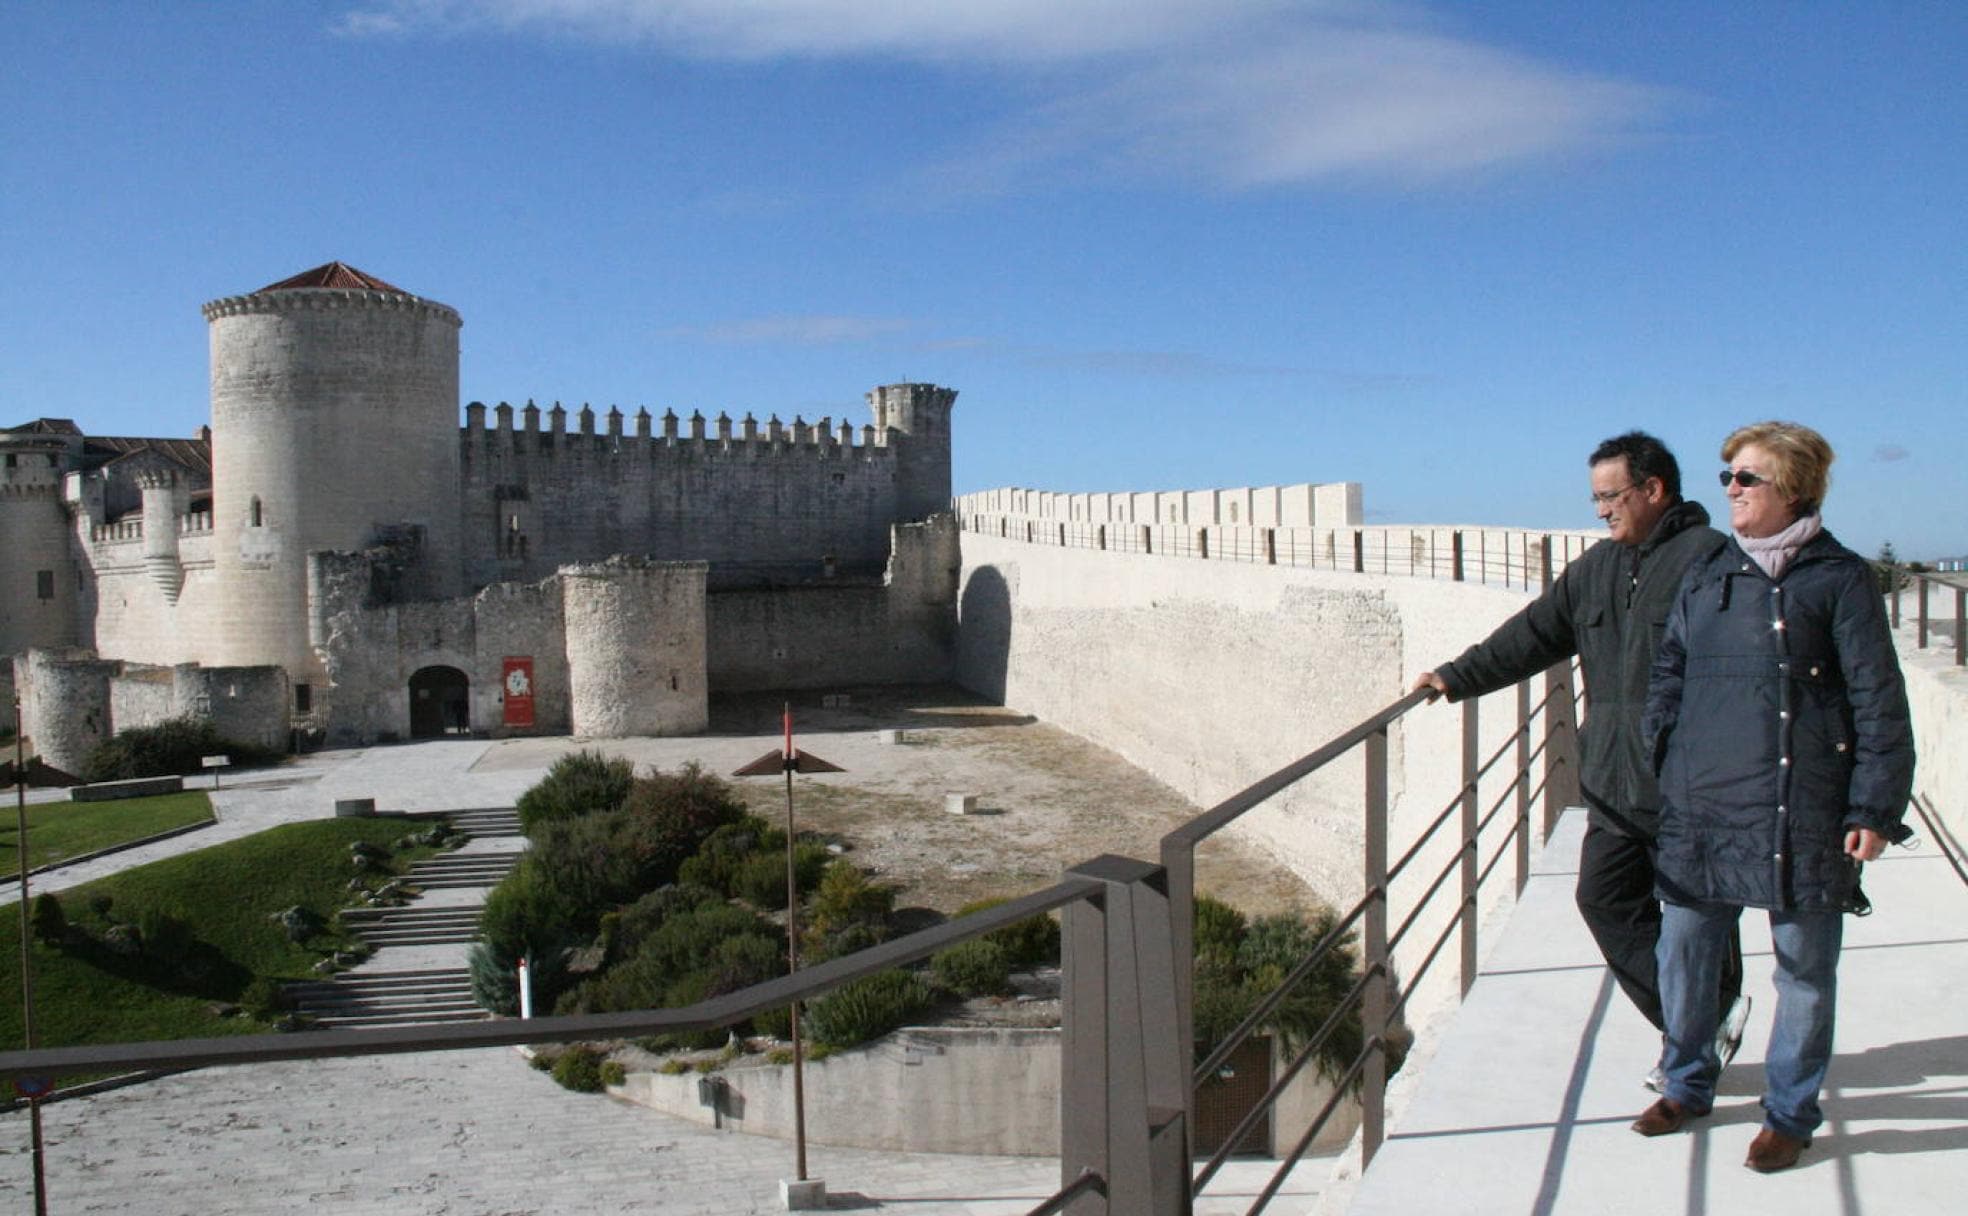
{"x":1609,"y":608}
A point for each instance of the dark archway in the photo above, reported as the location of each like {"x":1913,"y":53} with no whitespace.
{"x":440,"y":703}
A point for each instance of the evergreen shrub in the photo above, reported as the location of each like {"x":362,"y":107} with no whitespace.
{"x":972,"y":968}
{"x":866,"y":1008}
{"x":177,"y":746}
{"x":580,"y":783}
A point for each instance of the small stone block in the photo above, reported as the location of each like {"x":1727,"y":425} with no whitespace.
{"x":806,"y":1196}
{"x":960,"y":804}
{"x":354,"y":808}
{"x":890,"y":736}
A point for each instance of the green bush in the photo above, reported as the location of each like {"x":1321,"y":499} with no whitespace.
{"x":495,"y":978}
{"x":761,"y":878}
{"x":524,"y":914}
{"x":626,"y":930}
{"x":866,"y":1008}
{"x":718,"y":860}
{"x":682,"y":809}
{"x":1219,"y":930}
{"x":972,"y":968}
{"x":264,"y":999}
{"x":578,"y":784}
{"x":613,"y":1073}
{"x":1032,"y":942}
{"x":847,"y":903}
{"x":578,"y":1068}
{"x":1233,"y":974}
{"x":176,"y":746}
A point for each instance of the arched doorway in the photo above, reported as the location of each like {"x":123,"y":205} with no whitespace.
{"x":440,"y":703}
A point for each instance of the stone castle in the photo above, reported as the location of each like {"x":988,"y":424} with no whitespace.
{"x":334,"y":559}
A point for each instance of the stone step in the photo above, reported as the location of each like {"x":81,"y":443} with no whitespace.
{"x":360,"y":1021}
{"x":381,"y":985}
{"x":457,"y":883}
{"x":409,"y":914}
{"x":379,"y":938}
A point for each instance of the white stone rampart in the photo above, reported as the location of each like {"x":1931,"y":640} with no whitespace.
{"x":1210,"y":675}
{"x":1937,"y":691}
{"x":37,"y":569}
{"x":65,"y":704}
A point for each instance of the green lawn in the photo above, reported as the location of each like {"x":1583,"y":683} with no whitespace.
{"x":60,"y":830}
{"x":223,"y":900}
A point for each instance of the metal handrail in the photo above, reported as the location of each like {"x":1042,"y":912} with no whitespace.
{"x":512,"y":1032}
{"x":1898,"y":578}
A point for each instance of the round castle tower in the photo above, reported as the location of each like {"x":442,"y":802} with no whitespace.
{"x":37,"y":571}
{"x":334,"y":419}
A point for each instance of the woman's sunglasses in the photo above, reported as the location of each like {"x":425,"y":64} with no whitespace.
{"x":1743,"y":478}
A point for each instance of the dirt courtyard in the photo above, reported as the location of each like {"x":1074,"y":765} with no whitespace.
{"x":1047,"y":799}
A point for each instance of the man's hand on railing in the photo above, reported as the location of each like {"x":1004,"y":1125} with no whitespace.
{"x":1432,"y":683}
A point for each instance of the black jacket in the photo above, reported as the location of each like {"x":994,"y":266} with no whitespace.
{"x":1609,"y":608}
{"x":1780,"y":719}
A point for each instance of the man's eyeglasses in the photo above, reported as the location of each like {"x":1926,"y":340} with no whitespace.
{"x":1609,"y":497}
{"x":1742,"y":477}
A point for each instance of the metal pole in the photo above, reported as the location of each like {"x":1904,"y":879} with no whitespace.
{"x":793,"y":962}
{"x":27,"y":962}
{"x":1523,"y":785}
{"x":1376,"y":998}
{"x":1960,"y":627}
{"x":1921,"y":624}
{"x":1471,"y":759}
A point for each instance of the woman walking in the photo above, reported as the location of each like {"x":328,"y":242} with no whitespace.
{"x":1778,"y":721}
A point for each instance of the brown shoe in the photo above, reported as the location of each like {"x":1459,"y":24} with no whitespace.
{"x":1663,"y":1117}
{"x":1772,"y":1151}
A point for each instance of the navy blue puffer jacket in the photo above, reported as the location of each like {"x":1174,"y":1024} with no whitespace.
{"x":1778,"y":719}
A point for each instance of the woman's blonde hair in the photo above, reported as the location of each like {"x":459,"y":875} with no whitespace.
{"x":1800,"y":460}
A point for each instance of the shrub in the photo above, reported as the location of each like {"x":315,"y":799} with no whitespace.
{"x":626,"y":930}
{"x":1219,"y":928}
{"x":866,"y":1008}
{"x":579,"y":1068}
{"x":176,"y":746}
{"x":972,"y":968}
{"x":761,"y":878}
{"x":1031,"y":942}
{"x":48,"y":921}
{"x":495,"y":978}
{"x":847,"y":901}
{"x":717,"y":861}
{"x":525,"y":915}
{"x":613,"y":1073}
{"x":577,"y":784}
{"x":682,"y":809}
{"x":263,"y":998}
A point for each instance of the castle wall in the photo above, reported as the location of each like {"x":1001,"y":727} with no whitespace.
{"x":140,"y":696}
{"x":635,"y":648}
{"x":819,"y":636}
{"x":1209,"y":675}
{"x":749,"y":498}
{"x":247,"y":704}
{"x":129,"y":613}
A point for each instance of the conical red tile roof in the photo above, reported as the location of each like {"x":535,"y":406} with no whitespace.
{"x":333,"y":274}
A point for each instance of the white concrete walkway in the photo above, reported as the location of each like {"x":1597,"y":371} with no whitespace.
{"x":1525,"y":1105}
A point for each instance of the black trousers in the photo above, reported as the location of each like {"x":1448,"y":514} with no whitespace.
{"x":1616,"y":898}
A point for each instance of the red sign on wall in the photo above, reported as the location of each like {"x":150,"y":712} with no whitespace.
{"x":517,"y":682}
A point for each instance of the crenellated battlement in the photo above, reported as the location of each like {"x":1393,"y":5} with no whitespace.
{"x":320,"y":299}
{"x":695,"y":436}
{"x":123,"y":531}
{"x":40,"y":487}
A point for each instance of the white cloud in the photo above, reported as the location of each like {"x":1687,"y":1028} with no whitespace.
{"x":792,"y":330}
{"x":1234,"y":95}
{"x":1889,"y":453}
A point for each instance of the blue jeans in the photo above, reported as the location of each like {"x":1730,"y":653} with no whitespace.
{"x":1694,"y":946}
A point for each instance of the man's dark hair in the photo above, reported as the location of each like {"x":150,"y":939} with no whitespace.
{"x":1645,"y":456}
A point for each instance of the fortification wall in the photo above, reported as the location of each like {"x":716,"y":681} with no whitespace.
{"x":128,"y":611}
{"x":1210,"y":675}
{"x":140,"y":696}
{"x":635,"y":648}
{"x":247,"y":704}
{"x":900,"y":632}
{"x":740,"y":495}
{"x":1937,"y":693}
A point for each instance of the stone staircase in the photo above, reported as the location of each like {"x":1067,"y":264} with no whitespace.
{"x":461,"y":870}
{"x":392,"y":998}
{"x":416,"y":997}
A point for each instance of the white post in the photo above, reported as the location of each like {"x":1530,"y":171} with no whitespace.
{"x":525,"y":992}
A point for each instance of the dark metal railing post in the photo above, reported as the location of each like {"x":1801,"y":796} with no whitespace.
{"x":1960,"y":627}
{"x":1544,"y":562}
{"x":1523,"y":785}
{"x":1377,"y":998}
{"x":1921,"y":608}
{"x":1359,"y":552}
{"x":1125,"y":1073}
{"x":1471,"y":760}
{"x":1561,"y":788}
{"x":1202,"y":543}
{"x":1893,"y":578}
{"x":1270,"y":546}
{"x":1455,"y":556}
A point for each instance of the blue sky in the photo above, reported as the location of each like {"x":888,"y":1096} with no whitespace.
{"x":1439,"y":249}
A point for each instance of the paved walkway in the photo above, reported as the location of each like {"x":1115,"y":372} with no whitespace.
{"x":1525,"y":1105}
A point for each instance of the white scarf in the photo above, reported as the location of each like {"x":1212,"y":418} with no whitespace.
{"x":1774,"y":553}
